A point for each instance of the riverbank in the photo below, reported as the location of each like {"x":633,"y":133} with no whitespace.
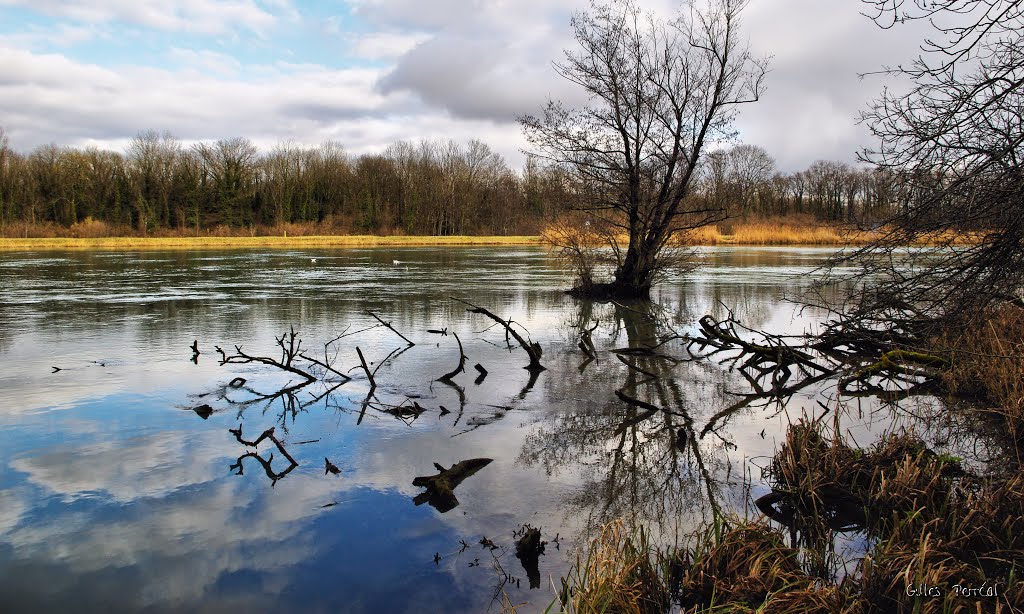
{"x":265,"y":242}
{"x":787,"y":231}
{"x":940,"y":533}
{"x":753,"y":234}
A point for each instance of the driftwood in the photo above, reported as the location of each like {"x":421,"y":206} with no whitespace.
{"x":440,"y":492}
{"x":532,"y":349}
{"x":291,"y":348}
{"x":330,"y":467}
{"x":267,"y":434}
{"x":483,"y":373}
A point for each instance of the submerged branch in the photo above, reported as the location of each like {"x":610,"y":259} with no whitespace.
{"x":532,"y":349}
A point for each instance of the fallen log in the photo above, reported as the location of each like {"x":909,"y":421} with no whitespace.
{"x":440,"y":493}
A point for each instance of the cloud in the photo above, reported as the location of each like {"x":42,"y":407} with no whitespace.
{"x":461,"y":68}
{"x":50,"y":97}
{"x":484,"y":61}
{"x":384,"y":45}
{"x":57,"y":35}
{"x":202,"y":16}
{"x":814,"y":90}
{"x":124,"y":471}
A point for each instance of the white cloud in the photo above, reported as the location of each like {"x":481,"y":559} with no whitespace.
{"x":204,"y":16}
{"x":58,"y":35}
{"x":145,"y":467}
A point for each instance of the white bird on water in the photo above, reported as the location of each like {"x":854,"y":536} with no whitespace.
{"x":396,"y":262}
{"x":313,"y":260}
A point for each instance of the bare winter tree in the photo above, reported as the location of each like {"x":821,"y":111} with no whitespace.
{"x":750,"y":169}
{"x":660,"y":92}
{"x":954,"y":143}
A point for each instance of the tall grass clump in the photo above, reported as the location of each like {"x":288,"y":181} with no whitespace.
{"x":987,"y":364}
{"x":621,"y":573}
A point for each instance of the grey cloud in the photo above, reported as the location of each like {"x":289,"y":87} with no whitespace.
{"x":814,"y":91}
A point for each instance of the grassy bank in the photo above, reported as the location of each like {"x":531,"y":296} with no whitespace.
{"x":943,"y":540}
{"x":939,"y":535}
{"x":91,"y":234}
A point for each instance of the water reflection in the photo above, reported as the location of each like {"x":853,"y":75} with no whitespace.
{"x":117,"y":489}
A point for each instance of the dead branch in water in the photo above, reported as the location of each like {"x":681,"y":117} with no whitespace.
{"x":586,"y":343}
{"x":267,"y":434}
{"x":482,"y":371}
{"x":366,"y":369}
{"x":447,"y":377}
{"x":532,"y":349}
{"x":391,"y":328}
{"x":291,"y":348}
{"x":635,"y":367}
{"x":267,"y":467}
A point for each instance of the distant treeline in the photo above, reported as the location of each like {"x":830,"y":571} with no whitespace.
{"x":428,"y":188}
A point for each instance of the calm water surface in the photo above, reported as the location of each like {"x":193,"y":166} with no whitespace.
{"x":115,"y":494}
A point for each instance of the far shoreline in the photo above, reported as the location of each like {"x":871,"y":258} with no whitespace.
{"x":342,"y":241}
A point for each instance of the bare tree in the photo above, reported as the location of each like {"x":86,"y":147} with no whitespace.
{"x":954,"y":143}
{"x":660,"y":91}
{"x":750,"y":168}
{"x":152,"y":157}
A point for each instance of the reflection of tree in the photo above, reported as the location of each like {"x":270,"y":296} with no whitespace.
{"x":635,"y":435}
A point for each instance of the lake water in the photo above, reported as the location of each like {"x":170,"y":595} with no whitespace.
{"x":115,"y":494}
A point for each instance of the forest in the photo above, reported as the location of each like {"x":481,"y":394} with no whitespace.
{"x":160,"y":185}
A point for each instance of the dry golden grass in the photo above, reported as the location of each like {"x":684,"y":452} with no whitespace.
{"x":791,"y":230}
{"x":987,"y":362}
{"x":618,"y":575}
{"x":930,"y":524}
{"x":213,"y":242}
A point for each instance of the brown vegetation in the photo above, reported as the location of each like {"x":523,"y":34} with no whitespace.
{"x":933,"y":527}
{"x":987,"y":363}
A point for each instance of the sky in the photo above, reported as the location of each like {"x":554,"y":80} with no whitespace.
{"x":368,"y":73}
